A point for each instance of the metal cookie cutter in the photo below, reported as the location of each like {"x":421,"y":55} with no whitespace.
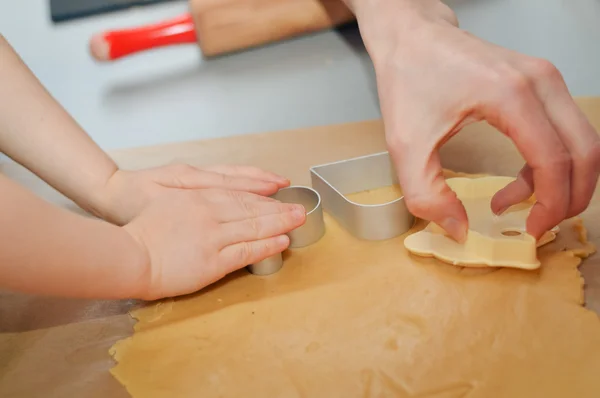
{"x":310,"y":232}
{"x":371,"y":222}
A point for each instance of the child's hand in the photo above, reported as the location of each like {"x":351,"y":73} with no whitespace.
{"x":128,"y":192}
{"x":193,"y":238}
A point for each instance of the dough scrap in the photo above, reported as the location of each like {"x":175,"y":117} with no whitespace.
{"x":492,"y":241}
{"x":350,"y":318}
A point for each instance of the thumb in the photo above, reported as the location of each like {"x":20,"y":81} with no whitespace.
{"x":426,"y":194}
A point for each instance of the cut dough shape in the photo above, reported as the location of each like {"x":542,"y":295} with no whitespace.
{"x":365,"y":319}
{"x":492,"y":241}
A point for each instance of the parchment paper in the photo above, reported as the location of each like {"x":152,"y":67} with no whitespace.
{"x":55,"y":348}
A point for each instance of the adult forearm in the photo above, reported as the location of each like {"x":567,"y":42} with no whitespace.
{"x":376,"y":7}
{"x":48,"y":250}
{"x":379,"y":20}
{"x":38,"y":133}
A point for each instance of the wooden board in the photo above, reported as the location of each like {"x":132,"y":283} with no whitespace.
{"x":59,"y":348}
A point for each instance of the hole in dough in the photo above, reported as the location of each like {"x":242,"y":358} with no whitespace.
{"x":512,"y":233}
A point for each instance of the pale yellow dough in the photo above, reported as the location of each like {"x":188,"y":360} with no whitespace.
{"x":493,"y":241}
{"x":358,"y":319}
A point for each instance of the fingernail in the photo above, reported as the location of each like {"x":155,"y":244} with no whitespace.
{"x":501,"y":210}
{"x":282,"y":240}
{"x":455,"y":229}
{"x":299,"y":211}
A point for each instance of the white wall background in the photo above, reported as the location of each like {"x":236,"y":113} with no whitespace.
{"x":173,"y":95}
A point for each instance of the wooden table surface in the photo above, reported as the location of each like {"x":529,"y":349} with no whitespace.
{"x":56,"y":347}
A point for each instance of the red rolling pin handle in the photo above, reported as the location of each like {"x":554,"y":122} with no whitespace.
{"x":116,"y":44}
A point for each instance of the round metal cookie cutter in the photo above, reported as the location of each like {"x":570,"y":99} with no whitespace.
{"x":310,"y":232}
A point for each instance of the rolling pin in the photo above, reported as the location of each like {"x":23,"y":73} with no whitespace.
{"x":223,"y":26}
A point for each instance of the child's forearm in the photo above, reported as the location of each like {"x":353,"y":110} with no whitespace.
{"x":48,"y":250}
{"x":38,"y":133}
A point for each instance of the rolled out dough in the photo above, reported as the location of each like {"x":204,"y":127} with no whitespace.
{"x":349,"y":318}
{"x":493,"y":241}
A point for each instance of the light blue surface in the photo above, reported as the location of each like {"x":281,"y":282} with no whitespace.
{"x":174,"y":95}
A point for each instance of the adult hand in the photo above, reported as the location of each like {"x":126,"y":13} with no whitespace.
{"x":435,"y":78}
{"x":127,"y":192}
{"x":193,"y":238}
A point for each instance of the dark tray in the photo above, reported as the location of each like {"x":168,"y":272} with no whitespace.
{"x":66,"y":10}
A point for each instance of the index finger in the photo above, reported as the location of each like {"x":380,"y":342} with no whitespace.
{"x":426,"y":193}
{"x":250,"y":172}
{"x":213,"y":179}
